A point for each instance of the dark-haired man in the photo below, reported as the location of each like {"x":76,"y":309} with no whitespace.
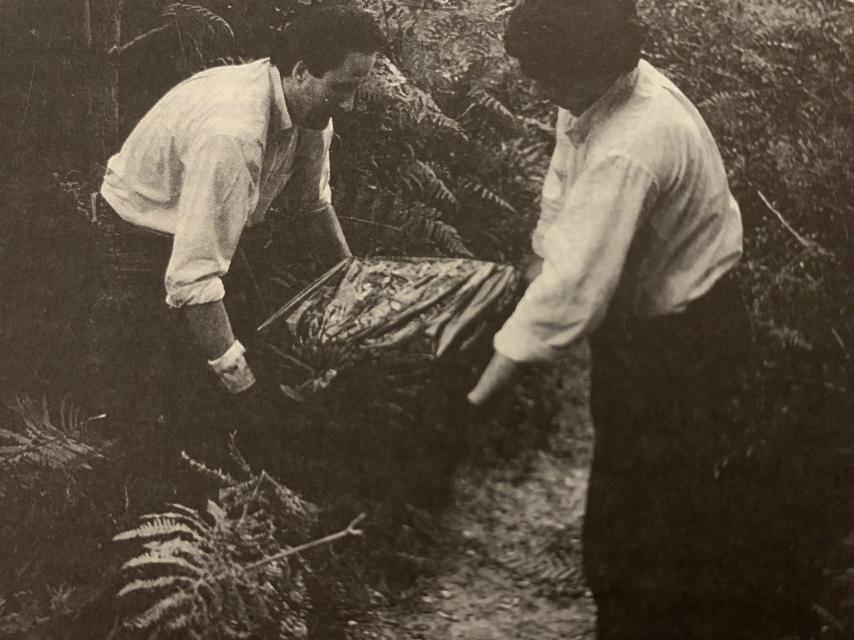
{"x":210,"y":156}
{"x":637,"y":234}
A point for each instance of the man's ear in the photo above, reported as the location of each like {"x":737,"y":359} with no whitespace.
{"x":300,"y":71}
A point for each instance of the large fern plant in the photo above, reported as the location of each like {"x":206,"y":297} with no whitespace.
{"x":53,"y":442}
{"x":436,"y":159}
{"x":232,"y":572}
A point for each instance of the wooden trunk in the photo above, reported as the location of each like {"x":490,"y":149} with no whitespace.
{"x":102,"y":33}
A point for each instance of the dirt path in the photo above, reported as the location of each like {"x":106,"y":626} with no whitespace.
{"x":512,"y":568}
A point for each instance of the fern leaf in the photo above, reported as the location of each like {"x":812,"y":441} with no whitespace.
{"x":186,"y":511}
{"x":390,"y":88}
{"x":158,"y":528}
{"x":237,"y":456}
{"x":494,"y":107}
{"x":161,"y":610}
{"x":43,"y":443}
{"x":446,"y":238}
{"x":175,"y":547}
{"x":17,"y":437}
{"x":216,"y":512}
{"x":179,"y":623}
{"x":36,"y":417}
{"x":421,"y":181}
{"x":723,"y":99}
{"x":200,"y":17}
{"x":154,"y":584}
{"x":486,"y":194}
{"x":195,"y":523}
{"x":217,"y":475}
{"x":540,"y":126}
{"x":791,"y":338}
{"x":158,"y":559}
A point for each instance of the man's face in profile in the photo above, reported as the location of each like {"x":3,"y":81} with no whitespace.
{"x":335,"y":91}
{"x":569,"y":91}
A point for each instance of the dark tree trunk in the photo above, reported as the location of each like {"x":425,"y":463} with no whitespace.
{"x":102,"y":33}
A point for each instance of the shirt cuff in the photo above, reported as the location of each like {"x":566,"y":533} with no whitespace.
{"x":210,"y":290}
{"x":515,"y":342}
{"x":233,"y":370}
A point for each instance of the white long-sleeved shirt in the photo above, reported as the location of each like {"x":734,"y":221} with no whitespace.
{"x":206,"y":161}
{"x":636,"y":213}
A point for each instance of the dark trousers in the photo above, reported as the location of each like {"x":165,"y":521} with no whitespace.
{"x":663,"y":553}
{"x":149,"y":360}
{"x":140,"y":345}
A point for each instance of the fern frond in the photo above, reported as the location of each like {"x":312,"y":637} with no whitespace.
{"x":486,"y":194}
{"x":185,"y":510}
{"x":224,"y":574}
{"x":180,"y":623}
{"x":153,"y":584}
{"x":491,"y":105}
{"x":421,"y":182}
{"x":174,"y":516}
{"x":423,"y":222}
{"x":724,"y":99}
{"x":162,"y":609}
{"x":199,"y":17}
{"x":217,"y":475}
{"x":157,"y":560}
{"x":539,"y":126}
{"x":43,"y":443}
{"x":216,"y":512}
{"x":389,"y":88}
{"x":175,"y":547}
{"x":237,"y":456}
{"x":158,"y":528}
{"x":446,"y":238}
{"x":227,"y":61}
{"x":790,"y":338}
{"x":15,"y":437}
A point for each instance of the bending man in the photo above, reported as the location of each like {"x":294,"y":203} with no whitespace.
{"x":208,"y":159}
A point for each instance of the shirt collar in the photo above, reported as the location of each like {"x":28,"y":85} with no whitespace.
{"x":279,"y":113}
{"x":580,"y":127}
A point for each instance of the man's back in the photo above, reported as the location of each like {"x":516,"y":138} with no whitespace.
{"x":144,"y":180}
{"x":689,"y":232}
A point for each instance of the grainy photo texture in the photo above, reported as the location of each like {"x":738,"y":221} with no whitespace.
{"x":426,"y":320}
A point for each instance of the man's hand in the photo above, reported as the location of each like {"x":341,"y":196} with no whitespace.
{"x":499,"y":373}
{"x":531,"y":268}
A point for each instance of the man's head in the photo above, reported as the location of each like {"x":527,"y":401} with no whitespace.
{"x":574,"y":49}
{"x":323,"y":56}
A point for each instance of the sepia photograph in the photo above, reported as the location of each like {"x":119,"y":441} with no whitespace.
{"x":426,"y":320}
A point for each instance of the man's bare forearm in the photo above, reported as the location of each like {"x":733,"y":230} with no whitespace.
{"x":325,"y":236}
{"x":211,"y":327}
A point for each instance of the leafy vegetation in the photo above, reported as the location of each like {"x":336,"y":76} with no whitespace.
{"x":226,"y":577}
{"x":442,"y":156}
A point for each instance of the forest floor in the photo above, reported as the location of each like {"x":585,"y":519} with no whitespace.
{"x":510,"y":553}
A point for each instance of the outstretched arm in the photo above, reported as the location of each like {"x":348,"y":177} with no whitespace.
{"x":325,"y":236}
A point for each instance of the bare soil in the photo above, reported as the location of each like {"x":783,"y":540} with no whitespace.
{"x":510,"y":554}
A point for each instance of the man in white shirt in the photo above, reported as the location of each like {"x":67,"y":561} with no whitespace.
{"x":209,"y":158}
{"x":637,"y":233}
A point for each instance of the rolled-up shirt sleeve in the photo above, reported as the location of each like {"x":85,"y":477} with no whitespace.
{"x":584,"y":251}
{"x":219,"y":192}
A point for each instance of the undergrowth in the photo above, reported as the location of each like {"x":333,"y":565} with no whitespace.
{"x":442,"y":156}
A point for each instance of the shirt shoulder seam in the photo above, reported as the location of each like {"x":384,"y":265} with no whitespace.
{"x":635,"y":163}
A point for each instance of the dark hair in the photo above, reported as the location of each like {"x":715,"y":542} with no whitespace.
{"x":323,"y":36}
{"x":578,"y":38}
